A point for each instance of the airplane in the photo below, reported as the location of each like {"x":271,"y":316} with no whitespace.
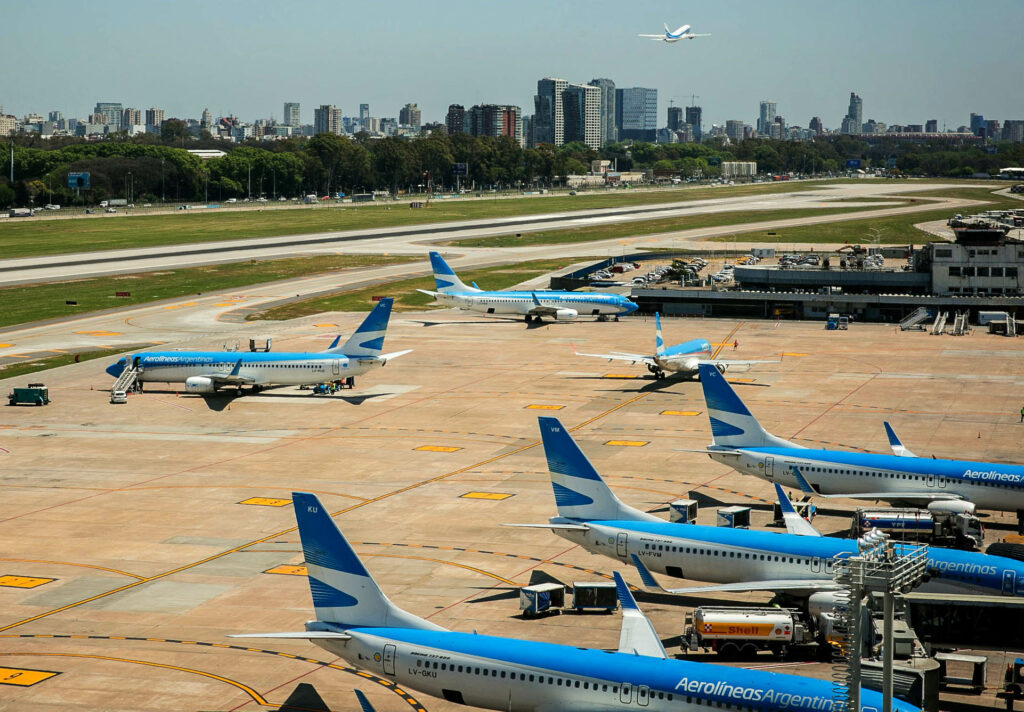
{"x":682,"y":358}
{"x":207,"y":371}
{"x":739,"y":440}
{"x":683,"y":33}
{"x":531,"y":304}
{"x":798,"y":562}
{"x":357,"y":622}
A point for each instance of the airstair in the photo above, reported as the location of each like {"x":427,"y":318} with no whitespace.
{"x":940,"y":323}
{"x":960,"y":326}
{"x":1011,"y":325}
{"x":126,"y":381}
{"x":913,"y":322}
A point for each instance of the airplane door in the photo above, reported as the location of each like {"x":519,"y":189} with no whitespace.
{"x":643,"y":694}
{"x":626,"y":693}
{"x":940,"y":481}
{"x":816,"y":564}
{"x":769,"y":468}
{"x":334,"y":367}
{"x":620,"y":544}
{"x":389,"y":659}
{"x":1008,"y":582}
{"x":930,"y":480}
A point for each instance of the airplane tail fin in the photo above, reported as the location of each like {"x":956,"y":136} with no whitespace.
{"x":580,"y":493}
{"x":659,"y":343}
{"x":368,"y":339}
{"x":732,"y":425}
{"x":445,"y":278}
{"x":344,"y":593}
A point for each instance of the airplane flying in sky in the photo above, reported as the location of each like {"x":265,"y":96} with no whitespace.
{"x":682,"y":358}
{"x":798,"y":562}
{"x":532,"y":304}
{"x":208,"y":371}
{"x":357,"y":622}
{"x":738,"y":440}
{"x":683,"y":33}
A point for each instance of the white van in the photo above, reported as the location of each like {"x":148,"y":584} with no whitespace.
{"x":118,"y":397}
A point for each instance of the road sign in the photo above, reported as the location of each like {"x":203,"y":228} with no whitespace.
{"x":78,"y":180}
{"x":460,"y":169}
{"x":853,"y":163}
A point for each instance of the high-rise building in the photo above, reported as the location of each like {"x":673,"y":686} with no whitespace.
{"x":766,"y":117}
{"x":675,"y":118}
{"x":548,"y":116}
{"x":1013,"y":130}
{"x":291,"y":114}
{"x":364,"y":117}
{"x":609,"y":133}
{"x":154,"y":117}
{"x":693,"y":118}
{"x":455,"y":119}
{"x":582,"y":106}
{"x":53,"y":116}
{"x":977,"y":124}
{"x":111,"y":112}
{"x":409,"y":115}
{"x":205,"y":122}
{"x":993,"y":128}
{"x":931,"y":126}
{"x":130,"y":117}
{"x":327,"y":119}
{"x":636,"y":113}
{"x":816,"y":126}
{"x":734,"y":130}
{"x":494,"y":120}
{"x":853,"y":123}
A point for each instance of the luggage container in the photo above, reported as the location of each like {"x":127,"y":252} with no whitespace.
{"x":683,"y":511}
{"x":541,"y":598}
{"x":594,"y":596}
{"x":734,"y":517}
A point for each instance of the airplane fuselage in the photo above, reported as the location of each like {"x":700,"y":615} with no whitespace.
{"x":989,"y":486}
{"x":683,"y":358}
{"x":520,"y":303}
{"x":523,"y":676}
{"x":283,"y":368}
{"x":723,"y":555}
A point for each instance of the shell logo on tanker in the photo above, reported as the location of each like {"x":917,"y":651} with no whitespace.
{"x":747,"y":630}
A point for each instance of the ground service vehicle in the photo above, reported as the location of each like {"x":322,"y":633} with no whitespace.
{"x":20,"y":213}
{"x":34,"y":394}
{"x":960,"y":530}
{"x":742,"y":632}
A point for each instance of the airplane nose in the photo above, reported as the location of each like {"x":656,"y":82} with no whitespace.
{"x":115,"y":369}
{"x":630,"y":306}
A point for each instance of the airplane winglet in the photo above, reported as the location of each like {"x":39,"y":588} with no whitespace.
{"x":805,"y":486}
{"x":235,"y":370}
{"x":795,"y":524}
{"x":638,"y":635}
{"x":894,"y":442}
{"x":364,"y":704}
{"x":645,"y":575}
{"x":535,"y":300}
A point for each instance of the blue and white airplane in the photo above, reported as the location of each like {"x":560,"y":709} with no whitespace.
{"x":207,"y":371}
{"x":798,"y":562}
{"x":532,"y":304}
{"x":357,"y":622}
{"x":683,"y":33}
{"x":739,"y":441}
{"x":682,"y":358}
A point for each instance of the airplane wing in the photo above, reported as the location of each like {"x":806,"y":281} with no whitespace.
{"x":657,"y":37}
{"x":299,"y":635}
{"x":232,"y":378}
{"x":637,"y":635}
{"x":795,"y":524}
{"x":618,"y":356}
{"x":895,"y":444}
{"x":698,"y":35}
{"x":428,"y":293}
{"x":739,"y":587}
{"x":563,"y":527}
{"x":540,"y":308}
{"x":808,"y":488}
{"x":383,"y":357}
{"x":731,"y":363}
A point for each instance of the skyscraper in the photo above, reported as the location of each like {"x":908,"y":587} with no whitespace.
{"x":609,"y":133}
{"x":111,"y":112}
{"x":675,"y":118}
{"x":693,"y":118}
{"x":931,"y":125}
{"x":548,"y":116}
{"x":494,"y":120}
{"x":154,"y":117}
{"x":582,"y":122}
{"x":636,"y":113}
{"x":816,"y":126}
{"x":734,"y":130}
{"x":291,"y":114}
{"x":853,"y":123}
{"x":204,"y":123}
{"x":455,"y":119}
{"x":327,"y":119}
{"x":409,"y":115}
{"x":364,"y":116}
{"x":766,"y":118}
{"x":130,"y":117}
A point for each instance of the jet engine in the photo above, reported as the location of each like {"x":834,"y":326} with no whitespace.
{"x":565,"y":314}
{"x":951,"y":506}
{"x":722,"y":368}
{"x":199,"y":384}
{"x":826,"y":602}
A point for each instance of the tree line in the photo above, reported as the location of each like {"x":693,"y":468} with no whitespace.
{"x":154,"y":168}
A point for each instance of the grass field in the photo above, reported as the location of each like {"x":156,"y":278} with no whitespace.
{"x":897,"y":230}
{"x":405,"y":294}
{"x":14,"y":370}
{"x":644,"y":227}
{"x":27,"y":238}
{"x":35,"y":302}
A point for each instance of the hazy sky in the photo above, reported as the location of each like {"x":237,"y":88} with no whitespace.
{"x":909,"y":60}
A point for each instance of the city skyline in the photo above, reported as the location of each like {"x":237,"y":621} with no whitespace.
{"x":803,"y":57}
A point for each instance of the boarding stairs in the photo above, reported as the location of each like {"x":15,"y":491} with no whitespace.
{"x":126,"y":381}
{"x":1011,"y":325}
{"x":913,"y":322}
{"x":939,"y":326}
{"x":960,"y":326}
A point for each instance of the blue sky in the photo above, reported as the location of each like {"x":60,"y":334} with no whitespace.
{"x":909,"y":60}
